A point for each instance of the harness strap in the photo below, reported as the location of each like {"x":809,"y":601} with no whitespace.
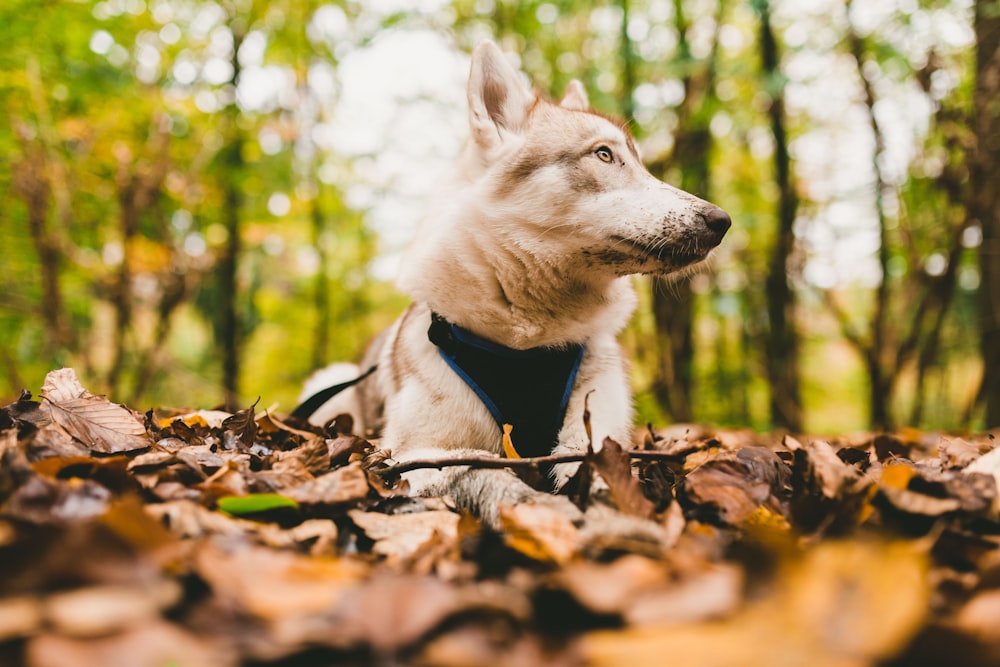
{"x":306,"y":409}
{"x":528,"y":389}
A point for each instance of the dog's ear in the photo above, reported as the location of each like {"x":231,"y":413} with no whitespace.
{"x":575,"y":98}
{"x":499,"y":102}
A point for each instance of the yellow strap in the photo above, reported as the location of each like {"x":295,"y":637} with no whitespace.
{"x":508,"y":444}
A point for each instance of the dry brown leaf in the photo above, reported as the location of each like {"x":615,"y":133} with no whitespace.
{"x":711,"y":593}
{"x":827,"y":494}
{"x":93,"y":420}
{"x":843,"y":604}
{"x":978,"y":617}
{"x":276,"y":585}
{"x":20,"y":616}
{"x":989,"y":464}
{"x":496,"y":646}
{"x":615,"y":466}
{"x":539,"y":532}
{"x":394,"y":611}
{"x":203,"y":418}
{"x":343,"y":485}
{"x":152,"y":644}
{"x":243,"y":425}
{"x":314,"y":454}
{"x":188,"y":519}
{"x":956,"y":452}
{"x":611,"y":588}
{"x":43,"y":501}
{"x":403,"y":535}
{"x":101,"y":610}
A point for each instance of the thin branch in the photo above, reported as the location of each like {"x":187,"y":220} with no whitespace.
{"x":491,"y":462}
{"x":847,"y":330}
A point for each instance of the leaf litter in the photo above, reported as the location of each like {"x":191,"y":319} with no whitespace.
{"x":209,"y":538}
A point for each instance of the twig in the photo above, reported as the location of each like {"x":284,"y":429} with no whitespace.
{"x":484,"y":462}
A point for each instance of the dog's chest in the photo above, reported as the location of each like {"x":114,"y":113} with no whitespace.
{"x":527,"y":389}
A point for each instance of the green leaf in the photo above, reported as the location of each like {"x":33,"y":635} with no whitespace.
{"x":255,"y":502}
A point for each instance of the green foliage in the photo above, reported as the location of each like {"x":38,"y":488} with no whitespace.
{"x":123,"y":118}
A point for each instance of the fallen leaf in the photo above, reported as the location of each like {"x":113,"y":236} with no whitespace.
{"x":93,"y":420}
{"x":243,"y":424}
{"x":154,"y":644}
{"x":203,"y":418}
{"x":711,"y":593}
{"x":45,"y":501}
{"x":539,"y":532}
{"x":842,"y":604}
{"x":956,"y":452}
{"x":394,"y":611}
{"x":978,"y":617}
{"x":989,"y":464}
{"x":403,"y":535}
{"x":20,"y":616}
{"x":344,"y":447}
{"x":615,"y":467}
{"x":276,"y":585}
{"x":827,"y":494}
{"x":610,"y":588}
{"x":343,"y":485}
{"x":100,"y":610}
{"x":314,"y":454}
{"x":255,"y":503}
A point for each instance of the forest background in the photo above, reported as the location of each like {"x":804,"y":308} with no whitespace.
{"x":202,"y":201}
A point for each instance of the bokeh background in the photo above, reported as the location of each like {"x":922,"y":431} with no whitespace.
{"x":204,"y":200}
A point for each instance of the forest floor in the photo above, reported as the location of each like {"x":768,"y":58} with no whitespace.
{"x":205,"y":538}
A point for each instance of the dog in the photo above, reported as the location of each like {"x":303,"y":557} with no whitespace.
{"x":525,"y":255}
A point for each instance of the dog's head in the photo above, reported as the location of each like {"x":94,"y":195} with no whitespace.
{"x":565,"y":181}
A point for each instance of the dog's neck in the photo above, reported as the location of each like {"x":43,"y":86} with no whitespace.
{"x":512,"y":296}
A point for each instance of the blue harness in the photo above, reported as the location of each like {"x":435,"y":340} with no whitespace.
{"x":528,"y":389}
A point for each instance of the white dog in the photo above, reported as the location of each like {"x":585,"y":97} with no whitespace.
{"x":519,"y":283}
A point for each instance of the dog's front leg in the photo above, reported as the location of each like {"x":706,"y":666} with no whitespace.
{"x":602,"y":391}
{"x":482,"y":491}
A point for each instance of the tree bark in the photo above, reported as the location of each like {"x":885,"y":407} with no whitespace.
{"x":232,"y":164}
{"x":673,"y":299}
{"x":985,"y":200}
{"x":782,"y":336}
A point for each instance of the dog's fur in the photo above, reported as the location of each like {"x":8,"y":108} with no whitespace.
{"x":548,"y":211}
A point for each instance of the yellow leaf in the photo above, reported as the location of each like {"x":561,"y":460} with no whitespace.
{"x":897,"y":476}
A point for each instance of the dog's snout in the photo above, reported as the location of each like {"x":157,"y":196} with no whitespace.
{"x":717,"y":220}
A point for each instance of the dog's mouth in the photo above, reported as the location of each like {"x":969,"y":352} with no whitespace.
{"x":662,"y":253}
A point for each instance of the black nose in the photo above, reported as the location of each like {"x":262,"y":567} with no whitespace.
{"x":717,"y":220}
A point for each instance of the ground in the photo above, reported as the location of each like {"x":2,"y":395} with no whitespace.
{"x":204,"y":538}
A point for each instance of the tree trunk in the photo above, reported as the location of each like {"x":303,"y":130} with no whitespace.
{"x":321,"y":286}
{"x":229,"y":320}
{"x":782,"y":336}
{"x":985,"y":201}
{"x":673,"y":299}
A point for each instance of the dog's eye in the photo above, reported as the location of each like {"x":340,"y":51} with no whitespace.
{"x":604,"y":154}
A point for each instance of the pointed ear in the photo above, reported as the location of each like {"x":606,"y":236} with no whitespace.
{"x":498,"y":102}
{"x":575,"y":98}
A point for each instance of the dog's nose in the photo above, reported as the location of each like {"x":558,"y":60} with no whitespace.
{"x":717,"y":220}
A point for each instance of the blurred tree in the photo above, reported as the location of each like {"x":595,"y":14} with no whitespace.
{"x":985,"y":202}
{"x":782,"y":336}
{"x":672,"y":297}
{"x":908,"y":308}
